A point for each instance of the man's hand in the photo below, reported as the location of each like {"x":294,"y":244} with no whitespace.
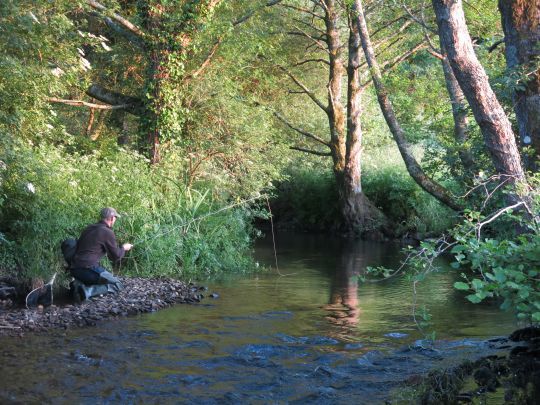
{"x":127,"y":246}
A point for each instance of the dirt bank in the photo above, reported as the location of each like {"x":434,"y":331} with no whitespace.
{"x":139,"y":296}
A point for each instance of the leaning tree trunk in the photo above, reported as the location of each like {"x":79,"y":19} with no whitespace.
{"x":414,"y":169}
{"x":521,"y":24}
{"x":473,"y":80}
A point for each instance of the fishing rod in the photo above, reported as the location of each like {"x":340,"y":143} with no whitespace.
{"x":196,"y":219}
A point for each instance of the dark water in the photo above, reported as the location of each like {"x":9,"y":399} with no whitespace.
{"x":308,"y":334}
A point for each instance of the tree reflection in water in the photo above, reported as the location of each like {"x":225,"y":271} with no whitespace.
{"x":343,"y":306}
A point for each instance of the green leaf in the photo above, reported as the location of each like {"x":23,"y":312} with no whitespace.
{"x":523,"y":293}
{"x":474,"y":298}
{"x":477,"y":284}
{"x":511,"y":284}
{"x":500,"y":275}
{"x":458,"y":249}
{"x":506,"y":304}
{"x":459,"y":285}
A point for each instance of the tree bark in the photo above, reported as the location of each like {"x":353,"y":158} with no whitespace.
{"x":473,"y":80}
{"x":335,"y":109}
{"x":414,"y":169}
{"x":521,"y":25}
{"x":459,"y":113}
{"x":356,"y":208}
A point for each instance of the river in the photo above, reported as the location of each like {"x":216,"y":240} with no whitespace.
{"x":307,"y":332}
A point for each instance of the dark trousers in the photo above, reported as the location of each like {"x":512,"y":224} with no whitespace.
{"x":90,"y":282}
{"x":93,"y":275}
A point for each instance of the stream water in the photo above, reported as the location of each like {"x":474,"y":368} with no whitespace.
{"x":306,"y":333}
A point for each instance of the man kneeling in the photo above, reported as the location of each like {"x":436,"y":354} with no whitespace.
{"x":96,"y":241}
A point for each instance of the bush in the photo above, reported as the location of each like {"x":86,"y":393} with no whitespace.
{"x":50,"y":195}
{"x":307,"y":200}
{"x":505,"y":268}
{"x":389,"y":186}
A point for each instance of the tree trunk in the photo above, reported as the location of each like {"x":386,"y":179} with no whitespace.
{"x":169,"y":45}
{"x":414,"y":169}
{"x":119,"y":122}
{"x":521,"y":25}
{"x":356,"y":209}
{"x":335,"y":110}
{"x":493,"y":122}
{"x":459,"y":113}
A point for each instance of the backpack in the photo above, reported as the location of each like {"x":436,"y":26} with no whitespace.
{"x":68,"y":247}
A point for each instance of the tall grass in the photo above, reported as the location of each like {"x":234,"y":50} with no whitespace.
{"x":49,"y":195}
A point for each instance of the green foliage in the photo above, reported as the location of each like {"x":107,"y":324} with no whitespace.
{"x":388,"y":185}
{"x":50,"y":195}
{"x":307,"y":199}
{"x":503,"y":268}
{"x":38,"y":59}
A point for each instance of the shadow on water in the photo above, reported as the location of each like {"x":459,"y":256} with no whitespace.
{"x":314,"y":335}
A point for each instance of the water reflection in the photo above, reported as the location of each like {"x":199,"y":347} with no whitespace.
{"x":343,"y":306}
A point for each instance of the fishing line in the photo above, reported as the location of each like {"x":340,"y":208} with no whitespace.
{"x":273,"y":236}
{"x":200,"y":218}
{"x":193,"y":220}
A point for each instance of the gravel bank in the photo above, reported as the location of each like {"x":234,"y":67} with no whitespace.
{"x":140,"y":295}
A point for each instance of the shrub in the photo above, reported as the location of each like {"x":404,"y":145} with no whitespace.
{"x":307,"y":199}
{"x":50,"y":195}
{"x":389,"y":186}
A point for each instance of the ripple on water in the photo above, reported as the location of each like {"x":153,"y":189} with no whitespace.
{"x":396,"y":335}
{"x":307,"y":340}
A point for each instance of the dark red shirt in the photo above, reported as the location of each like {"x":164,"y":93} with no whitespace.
{"x":96,"y":241}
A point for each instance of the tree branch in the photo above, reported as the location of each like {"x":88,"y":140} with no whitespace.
{"x":134,"y":104}
{"x":397,"y":60}
{"x":134,"y":39}
{"x":118,"y":18}
{"x":304,"y":10}
{"x":313,"y":152}
{"x":220,"y":39}
{"x":301,"y":131}
{"x":316,"y":40}
{"x":400,"y":58}
{"x":320,"y":60}
{"x":495,"y":45}
{"x":310,"y":94}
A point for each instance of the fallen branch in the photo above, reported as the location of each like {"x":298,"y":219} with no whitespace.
{"x":81,"y":103}
{"x":116,"y":17}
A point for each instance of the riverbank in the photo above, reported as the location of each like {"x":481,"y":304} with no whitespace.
{"x":511,"y":375}
{"x":140,"y":295}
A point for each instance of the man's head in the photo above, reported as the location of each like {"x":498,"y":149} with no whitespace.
{"x":109,"y":215}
